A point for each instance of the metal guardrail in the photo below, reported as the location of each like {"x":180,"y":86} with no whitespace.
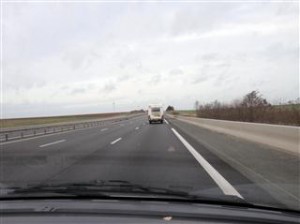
{"x":16,"y":134}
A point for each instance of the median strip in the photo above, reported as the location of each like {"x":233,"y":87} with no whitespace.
{"x":115,"y":141}
{"x":225,"y":186}
{"x":52,"y":143}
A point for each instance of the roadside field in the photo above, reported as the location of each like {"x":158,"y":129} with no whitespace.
{"x":21,"y":122}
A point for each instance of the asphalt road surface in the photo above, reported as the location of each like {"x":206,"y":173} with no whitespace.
{"x":157,"y":155}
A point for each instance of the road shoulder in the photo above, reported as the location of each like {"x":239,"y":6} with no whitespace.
{"x":274,"y":171}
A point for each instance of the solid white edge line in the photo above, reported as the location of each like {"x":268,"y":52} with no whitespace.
{"x":115,"y":141}
{"x":52,"y":143}
{"x":166,"y":121}
{"x":225,"y":186}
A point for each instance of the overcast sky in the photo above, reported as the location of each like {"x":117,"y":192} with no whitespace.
{"x":72,"y":58}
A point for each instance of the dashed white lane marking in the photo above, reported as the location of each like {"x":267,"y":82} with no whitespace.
{"x":52,"y":143}
{"x":104,"y":129}
{"x":225,"y":186}
{"x":137,"y":128}
{"x":166,"y":121}
{"x":115,"y":141}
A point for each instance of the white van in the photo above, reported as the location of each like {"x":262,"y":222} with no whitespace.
{"x":155,"y":113}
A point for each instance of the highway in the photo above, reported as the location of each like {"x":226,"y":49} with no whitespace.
{"x":172,"y":155}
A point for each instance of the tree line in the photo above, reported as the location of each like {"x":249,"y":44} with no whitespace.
{"x":253,"y":107}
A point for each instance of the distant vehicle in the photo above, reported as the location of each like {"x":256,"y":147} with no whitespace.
{"x":155,"y":113}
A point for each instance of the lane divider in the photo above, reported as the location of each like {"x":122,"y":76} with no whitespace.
{"x":225,"y":186}
{"x":137,"y":128}
{"x":166,"y":121}
{"x":115,"y":141}
{"x":52,"y":143}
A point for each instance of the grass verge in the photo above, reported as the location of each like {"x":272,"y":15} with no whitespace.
{"x":22,"y":122}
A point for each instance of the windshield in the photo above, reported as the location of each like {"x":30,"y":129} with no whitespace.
{"x":79,"y":81}
{"x":155,"y":109}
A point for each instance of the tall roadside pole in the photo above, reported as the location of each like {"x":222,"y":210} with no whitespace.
{"x":196,"y":107}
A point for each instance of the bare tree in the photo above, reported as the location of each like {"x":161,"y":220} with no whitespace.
{"x":254,"y":99}
{"x":170,"y":108}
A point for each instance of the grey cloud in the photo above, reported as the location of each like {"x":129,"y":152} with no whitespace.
{"x":220,"y":79}
{"x":109,"y":87}
{"x":91,"y":86}
{"x":223,"y":65}
{"x":175,"y":72}
{"x":223,"y":79}
{"x":209,"y":57}
{"x":287,"y":9}
{"x":203,"y":74}
{"x":280,"y":50}
{"x":121,"y":65}
{"x":80,"y":57}
{"x":241,"y":57}
{"x":186,"y":21}
{"x":21,"y":78}
{"x":202,"y":19}
{"x":123,"y":78}
{"x":78,"y":91}
{"x":64,"y":87}
{"x":84,"y":88}
{"x":213,"y":69}
{"x":40,"y":83}
{"x":155,"y":78}
{"x":201,"y":78}
{"x":139,"y":65}
{"x":75,"y":59}
{"x":259,"y":83}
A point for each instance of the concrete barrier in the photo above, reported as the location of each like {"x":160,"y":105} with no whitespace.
{"x":280,"y":136}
